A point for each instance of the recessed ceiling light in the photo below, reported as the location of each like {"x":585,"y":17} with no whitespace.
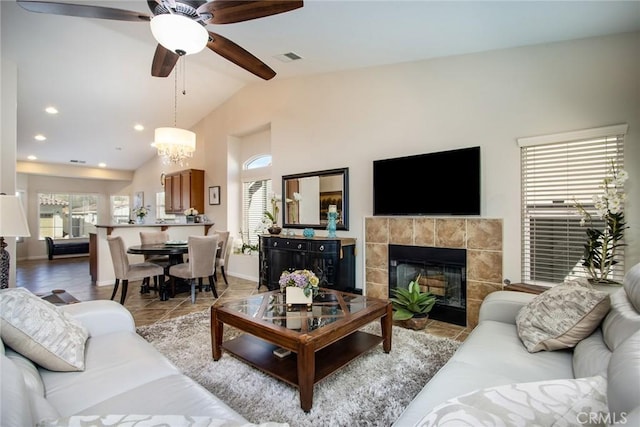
{"x":40,"y":137}
{"x":32,"y":157}
{"x":51,"y":110}
{"x":102,"y":165}
{"x":138,"y":127}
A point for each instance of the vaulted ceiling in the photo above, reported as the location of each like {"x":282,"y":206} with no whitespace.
{"x":97,"y":73}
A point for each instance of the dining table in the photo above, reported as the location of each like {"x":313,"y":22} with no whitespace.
{"x":175,"y":252}
{"x":174,"y":249}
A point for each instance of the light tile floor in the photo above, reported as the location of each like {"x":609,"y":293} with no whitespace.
{"x":72,"y":275}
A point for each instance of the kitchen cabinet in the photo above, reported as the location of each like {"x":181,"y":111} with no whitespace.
{"x":183,"y":190}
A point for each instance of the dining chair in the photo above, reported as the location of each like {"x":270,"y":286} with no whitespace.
{"x":201,"y":264}
{"x":222,"y":256}
{"x":126,"y":271}
{"x":222,"y":259}
{"x":150,"y":238}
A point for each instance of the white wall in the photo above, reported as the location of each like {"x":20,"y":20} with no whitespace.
{"x":349,"y":119}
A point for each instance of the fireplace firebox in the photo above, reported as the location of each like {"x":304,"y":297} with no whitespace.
{"x":442,"y":271}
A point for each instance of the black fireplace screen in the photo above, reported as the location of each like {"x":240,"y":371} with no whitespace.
{"x":441,"y":271}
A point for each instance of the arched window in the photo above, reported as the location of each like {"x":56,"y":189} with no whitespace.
{"x":261,"y":161}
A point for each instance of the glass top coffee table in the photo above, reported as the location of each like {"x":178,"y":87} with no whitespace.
{"x":322,"y":338}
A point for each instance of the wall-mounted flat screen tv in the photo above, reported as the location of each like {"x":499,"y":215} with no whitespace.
{"x":442,"y":183}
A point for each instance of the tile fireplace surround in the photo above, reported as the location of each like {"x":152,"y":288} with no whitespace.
{"x":482,"y":238}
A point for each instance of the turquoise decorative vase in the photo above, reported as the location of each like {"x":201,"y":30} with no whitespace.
{"x":308,"y":233}
{"x":331,"y":224}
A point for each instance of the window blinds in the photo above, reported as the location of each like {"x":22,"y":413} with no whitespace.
{"x":256,"y":200}
{"x":556,"y":176}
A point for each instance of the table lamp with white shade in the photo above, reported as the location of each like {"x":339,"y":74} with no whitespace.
{"x":13,"y":223}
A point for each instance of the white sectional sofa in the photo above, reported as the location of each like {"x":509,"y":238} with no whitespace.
{"x":494,"y":365}
{"x":123,"y":375}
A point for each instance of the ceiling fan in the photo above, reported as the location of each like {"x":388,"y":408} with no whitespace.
{"x":185,"y":19}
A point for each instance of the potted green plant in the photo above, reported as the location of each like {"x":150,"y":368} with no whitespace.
{"x":412,"y":306}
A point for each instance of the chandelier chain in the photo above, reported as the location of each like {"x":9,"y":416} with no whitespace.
{"x":175,"y":146}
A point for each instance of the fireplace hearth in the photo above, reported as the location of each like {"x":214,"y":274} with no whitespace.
{"x":481,"y":238}
{"x":442,"y":272}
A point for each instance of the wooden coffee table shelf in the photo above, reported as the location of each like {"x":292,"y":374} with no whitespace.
{"x":322,"y":339}
{"x":259,"y":354}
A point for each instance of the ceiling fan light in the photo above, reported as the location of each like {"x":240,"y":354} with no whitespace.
{"x":179,"y":33}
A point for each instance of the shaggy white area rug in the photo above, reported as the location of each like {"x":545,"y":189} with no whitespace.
{"x":372,"y":390}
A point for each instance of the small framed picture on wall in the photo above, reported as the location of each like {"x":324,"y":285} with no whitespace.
{"x":138,"y":199}
{"x":214,"y":195}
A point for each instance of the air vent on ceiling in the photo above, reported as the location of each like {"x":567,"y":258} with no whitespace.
{"x":288,"y":57}
{"x":78,"y":161}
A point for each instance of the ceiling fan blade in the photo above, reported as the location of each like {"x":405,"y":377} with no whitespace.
{"x":83,"y":11}
{"x":234,"y":53}
{"x":163,"y":62}
{"x":230,"y":11}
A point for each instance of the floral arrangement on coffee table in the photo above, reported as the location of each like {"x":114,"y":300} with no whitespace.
{"x":304,"y":279}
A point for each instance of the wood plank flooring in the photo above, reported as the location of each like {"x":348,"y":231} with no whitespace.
{"x":72,"y":275}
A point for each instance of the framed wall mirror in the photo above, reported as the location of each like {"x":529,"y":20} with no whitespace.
{"x":307,"y":198}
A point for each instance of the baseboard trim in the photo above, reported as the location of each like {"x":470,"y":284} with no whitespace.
{"x":243,"y":276}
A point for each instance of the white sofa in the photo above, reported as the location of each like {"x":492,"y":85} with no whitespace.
{"x":123,"y":374}
{"x":493,"y":355}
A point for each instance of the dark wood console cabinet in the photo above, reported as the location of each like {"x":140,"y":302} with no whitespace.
{"x":332,"y":260}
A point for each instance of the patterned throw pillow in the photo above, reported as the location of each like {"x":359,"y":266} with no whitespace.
{"x":150,"y":420}
{"x":566,"y":402}
{"x":561,"y":316}
{"x":41,"y":332}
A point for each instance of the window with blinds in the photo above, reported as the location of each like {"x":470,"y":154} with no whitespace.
{"x":559,"y":171}
{"x":256,"y":200}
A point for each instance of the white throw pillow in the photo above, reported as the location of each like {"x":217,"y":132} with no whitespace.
{"x":566,"y":402}
{"x":41,"y":331}
{"x":150,"y":420}
{"x":561,"y":316}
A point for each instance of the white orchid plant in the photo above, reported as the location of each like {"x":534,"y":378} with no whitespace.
{"x":191,"y":212}
{"x":273,"y":214}
{"x":601,"y":245}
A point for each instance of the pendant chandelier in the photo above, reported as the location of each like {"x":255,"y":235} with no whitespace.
{"x":175,"y":146}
